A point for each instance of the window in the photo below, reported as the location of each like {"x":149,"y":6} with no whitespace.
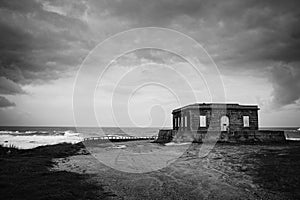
{"x":202,"y":121}
{"x":185,"y":121}
{"x":181,"y":120}
{"x":224,"y":123}
{"x":246,"y":121}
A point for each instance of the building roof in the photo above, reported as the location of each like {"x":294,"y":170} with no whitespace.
{"x":227,"y":106}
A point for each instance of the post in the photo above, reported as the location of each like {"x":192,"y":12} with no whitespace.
{"x":179,"y":127}
{"x":174,"y":125}
{"x":183,"y":121}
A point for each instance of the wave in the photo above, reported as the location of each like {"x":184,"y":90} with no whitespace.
{"x":32,"y":139}
{"x":32,"y":133}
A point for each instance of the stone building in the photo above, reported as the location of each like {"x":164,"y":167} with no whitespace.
{"x":215,"y":117}
{"x":225,"y":122}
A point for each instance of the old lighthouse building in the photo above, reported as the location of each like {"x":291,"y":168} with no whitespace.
{"x":217,"y":117}
{"x":229,"y":122}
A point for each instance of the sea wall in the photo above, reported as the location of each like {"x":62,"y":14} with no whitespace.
{"x":263,"y":136}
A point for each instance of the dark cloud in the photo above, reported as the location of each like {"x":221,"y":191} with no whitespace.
{"x":40,"y":40}
{"x":4,"y":103}
{"x":286,"y":84}
{"x":35,"y":41}
{"x":238,"y":34}
{"x":234,"y":31}
{"x":149,"y":13}
{"x":38,"y":44}
{"x":9,"y":87}
{"x":29,"y":6}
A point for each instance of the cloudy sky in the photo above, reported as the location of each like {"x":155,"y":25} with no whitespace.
{"x":255,"y":45}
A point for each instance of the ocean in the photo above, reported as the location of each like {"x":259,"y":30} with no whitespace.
{"x":33,"y":136}
{"x":30,"y":137}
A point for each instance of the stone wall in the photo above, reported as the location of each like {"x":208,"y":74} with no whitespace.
{"x":245,"y":136}
{"x":213,"y":119}
{"x":270,"y":136}
{"x":165,"y":135}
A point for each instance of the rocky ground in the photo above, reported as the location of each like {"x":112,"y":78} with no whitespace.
{"x":143,"y":170}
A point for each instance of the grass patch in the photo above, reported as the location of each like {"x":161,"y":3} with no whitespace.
{"x":25,"y":174}
{"x":278,"y":170}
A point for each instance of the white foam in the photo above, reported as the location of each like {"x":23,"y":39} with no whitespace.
{"x":70,"y":133}
{"x":293,"y":135}
{"x":9,"y":132}
{"x":293,"y":139}
{"x":177,"y":144}
{"x":30,"y":132}
{"x":119,"y":147}
{"x":32,"y":141}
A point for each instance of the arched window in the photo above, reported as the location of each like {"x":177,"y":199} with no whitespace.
{"x":224,"y":123}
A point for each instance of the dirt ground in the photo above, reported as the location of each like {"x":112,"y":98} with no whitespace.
{"x":229,"y":171}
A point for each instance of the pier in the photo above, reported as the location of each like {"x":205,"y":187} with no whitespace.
{"x":120,"y":138}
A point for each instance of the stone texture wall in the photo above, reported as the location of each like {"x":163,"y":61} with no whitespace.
{"x":245,"y":136}
{"x":165,"y":135}
{"x":193,"y":132}
{"x":213,"y":119}
{"x":270,"y":136}
{"x":190,"y":131}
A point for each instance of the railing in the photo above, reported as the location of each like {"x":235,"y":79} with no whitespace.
{"x":121,"y":138}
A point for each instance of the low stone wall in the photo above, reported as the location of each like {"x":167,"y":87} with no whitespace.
{"x":165,"y":135}
{"x":264,"y":136}
{"x":270,"y":136}
{"x":253,"y":136}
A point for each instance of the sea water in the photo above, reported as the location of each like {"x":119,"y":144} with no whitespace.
{"x":31,"y":137}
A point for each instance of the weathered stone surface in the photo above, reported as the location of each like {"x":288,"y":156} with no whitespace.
{"x":263,"y":136}
{"x":186,"y":125}
{"x":165,"y":135}
{"x":214,"y":113}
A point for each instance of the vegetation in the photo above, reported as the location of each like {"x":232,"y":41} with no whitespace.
{"x":25,"y":174}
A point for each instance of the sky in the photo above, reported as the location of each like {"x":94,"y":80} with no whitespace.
{"x":45,"y":44}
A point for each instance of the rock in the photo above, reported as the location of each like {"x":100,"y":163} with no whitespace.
{"x":244,"y":168}
{"x":253,"y":186}
{"x":217,"y":158}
